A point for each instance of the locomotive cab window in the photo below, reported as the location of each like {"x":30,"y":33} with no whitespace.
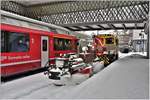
{"x":14,"y":42}
{"x":109,"y":40}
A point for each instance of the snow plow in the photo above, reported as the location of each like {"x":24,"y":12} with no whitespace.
{"x":67,"y":66}
{"x":106,"y":47}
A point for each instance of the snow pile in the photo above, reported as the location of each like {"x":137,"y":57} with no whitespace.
{"x":97,"y":66}
{"x":74,"y":79}
{"x":122,"y":55}
{"x":126,"y":78}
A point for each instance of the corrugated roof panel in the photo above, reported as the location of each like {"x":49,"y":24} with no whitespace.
{"x":105,"y":25}
{"x":130,"y":25}
{"x":118,"y":25}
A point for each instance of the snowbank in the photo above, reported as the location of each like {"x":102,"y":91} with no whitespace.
{"x":98,"y":66}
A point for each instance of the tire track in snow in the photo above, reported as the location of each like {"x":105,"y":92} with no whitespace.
{"x":31,"y":91}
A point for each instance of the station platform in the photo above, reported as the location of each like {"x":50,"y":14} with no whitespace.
{"x":126,"y":78}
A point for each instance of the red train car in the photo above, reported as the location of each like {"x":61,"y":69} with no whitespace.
{"x":28,"y":44}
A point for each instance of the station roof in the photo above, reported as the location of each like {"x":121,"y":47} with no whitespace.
{"x":84,"y":15}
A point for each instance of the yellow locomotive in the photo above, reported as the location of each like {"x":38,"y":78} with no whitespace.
{"x":106,"y":47}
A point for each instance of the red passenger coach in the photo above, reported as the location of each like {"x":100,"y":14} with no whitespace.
{"x":28,"y":44}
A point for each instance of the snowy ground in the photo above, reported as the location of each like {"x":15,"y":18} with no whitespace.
{"x":122,"y":55}
{"x":126,"y":78}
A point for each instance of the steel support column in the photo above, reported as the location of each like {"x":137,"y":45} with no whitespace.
{"x":148,"y":54}
{"x":146,"y":30}
{"x":148,"y":46}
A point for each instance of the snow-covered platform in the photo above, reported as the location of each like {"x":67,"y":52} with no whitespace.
{"x":126,"y":78}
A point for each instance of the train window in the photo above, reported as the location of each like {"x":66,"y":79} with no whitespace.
{"x":62,"y":44}
{"x":14,"y":42}
{"x":109,"y":41}
{"x":3,"y":41}
{"x":55,"y":43}
{"x":44,"y":45}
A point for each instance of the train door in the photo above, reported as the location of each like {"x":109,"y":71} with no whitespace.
{"x":44,"y":50}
